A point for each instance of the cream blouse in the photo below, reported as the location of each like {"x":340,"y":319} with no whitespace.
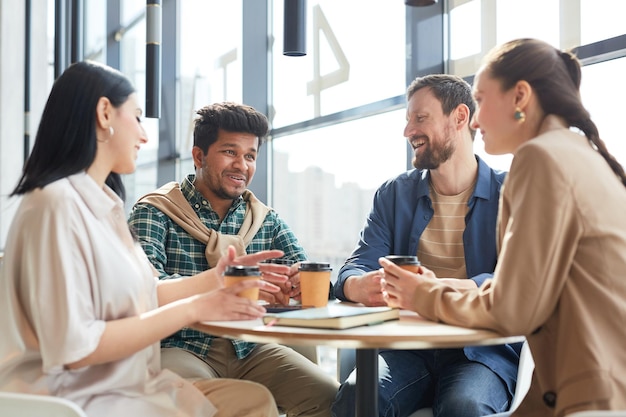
{"x":70,"y":266}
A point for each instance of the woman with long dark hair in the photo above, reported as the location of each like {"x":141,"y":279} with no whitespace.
{"x":81,"y":310}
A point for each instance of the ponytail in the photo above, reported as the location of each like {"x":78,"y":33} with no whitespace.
{"x":555,"y":76}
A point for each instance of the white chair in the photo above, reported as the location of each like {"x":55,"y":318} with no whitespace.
{"x":14,"y":404}
{"x":346,"y":360}
{"x":599,"y":413}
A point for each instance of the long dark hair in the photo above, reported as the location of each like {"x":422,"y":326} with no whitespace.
{"x":555,"y":76}
{"x":66,"y":140}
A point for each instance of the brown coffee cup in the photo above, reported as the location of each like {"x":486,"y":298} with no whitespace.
{"x":237,"y":273}
{"x":314,"y":283}
{"x":408,"y":262}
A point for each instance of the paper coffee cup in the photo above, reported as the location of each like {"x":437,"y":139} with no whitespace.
{"x":237,"y":273}
{"x":314,"y":283}
{"x":410,"y":263}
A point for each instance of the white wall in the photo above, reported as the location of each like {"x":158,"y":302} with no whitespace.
{"x":12,"y":119}
{"x":11,"y":105}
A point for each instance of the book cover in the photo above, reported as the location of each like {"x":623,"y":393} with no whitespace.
{"x":333,"y":316}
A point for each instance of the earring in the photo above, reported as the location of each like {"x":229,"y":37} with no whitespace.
{"x":519,"y":115}
{"x":111,"y":131}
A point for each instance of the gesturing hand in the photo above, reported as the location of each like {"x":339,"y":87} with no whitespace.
{"x":231,"y":258}
{"x":275,"y":273}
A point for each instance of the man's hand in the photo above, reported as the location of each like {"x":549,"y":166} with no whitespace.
{"x":293,"y":285}
{"x":365,"y":289}
{"x":273,"y":273}
{"x":231,"y":258}
{"x":289,"y":288}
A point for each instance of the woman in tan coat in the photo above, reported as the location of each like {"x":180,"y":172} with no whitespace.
{"x":561,"y":273}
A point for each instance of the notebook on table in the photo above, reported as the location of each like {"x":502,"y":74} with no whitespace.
{"x":333,"y":316}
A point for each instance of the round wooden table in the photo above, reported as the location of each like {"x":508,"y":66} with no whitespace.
{"x":409,"y":332}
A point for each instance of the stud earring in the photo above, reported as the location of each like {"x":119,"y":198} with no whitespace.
{"x":519,"y":115}
{"x":111,"y":131}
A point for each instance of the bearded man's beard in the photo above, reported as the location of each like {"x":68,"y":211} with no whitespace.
{"x":434,"y":155}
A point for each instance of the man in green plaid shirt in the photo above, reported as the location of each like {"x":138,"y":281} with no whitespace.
{"x":227,"y":137}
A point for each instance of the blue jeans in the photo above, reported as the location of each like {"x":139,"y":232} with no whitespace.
{"x":443,"y":379}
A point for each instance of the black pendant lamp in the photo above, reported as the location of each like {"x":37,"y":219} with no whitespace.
{"x":420,"y":3}
{"x":294,"y":29}
{"x":153,"y":58}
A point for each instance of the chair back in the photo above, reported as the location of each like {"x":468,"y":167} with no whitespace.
{"x":13,"y":404}
{"x":346,"y":359}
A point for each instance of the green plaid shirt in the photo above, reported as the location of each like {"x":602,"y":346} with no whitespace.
{"x":174,"y":253}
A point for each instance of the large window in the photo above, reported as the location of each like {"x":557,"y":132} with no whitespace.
{"x":602,"y":96}
{"x":477,"y":25}
{"x":95,"y":37}
{"x":601,"y":19}
{"x":324,"y":180}
{"x":355,"y":55}
{"x":210,"y":61}
{"x":356,"y":58}
{"x":324,"y":177}
{"x":133,"y":65}
{"x":209,"y":64}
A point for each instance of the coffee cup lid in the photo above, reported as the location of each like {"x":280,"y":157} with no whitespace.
{"x":403,"y":259}
{"x":315,"y":266}
{"x":279,"y":261}
{"x":241,"y":270}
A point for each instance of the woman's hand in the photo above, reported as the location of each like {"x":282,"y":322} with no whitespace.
{"x":125,"y":336}
{"x":272,"y":273}
{"x":398,"y":285}
{"x":225,"y":304}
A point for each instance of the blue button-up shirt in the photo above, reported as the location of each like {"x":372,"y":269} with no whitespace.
{"x":401,"y":211}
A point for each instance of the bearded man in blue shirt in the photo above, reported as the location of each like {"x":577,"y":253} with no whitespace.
{"x":445,"y":212}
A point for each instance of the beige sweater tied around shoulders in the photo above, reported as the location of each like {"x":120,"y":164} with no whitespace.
{"x":170,"y":200}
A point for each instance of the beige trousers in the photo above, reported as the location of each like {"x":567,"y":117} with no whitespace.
{"x":299,"y":387}
{"x":235,"y":398}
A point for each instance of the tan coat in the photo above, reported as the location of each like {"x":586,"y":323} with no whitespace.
{"x":560,"y":278}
